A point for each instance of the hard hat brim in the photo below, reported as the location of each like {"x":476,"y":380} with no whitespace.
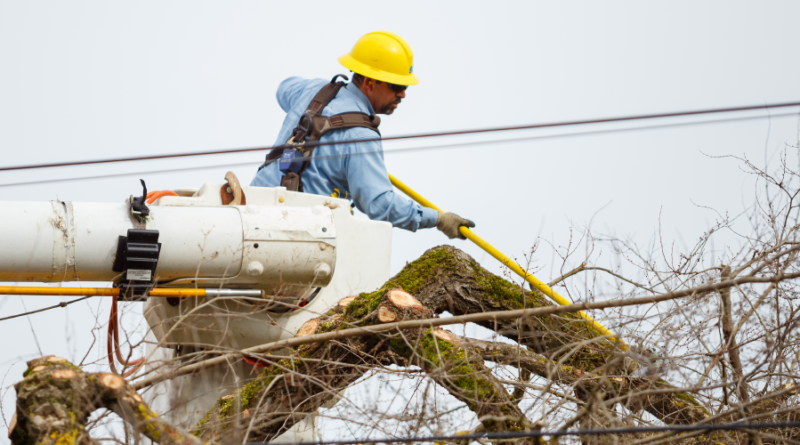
{"x":355,"y":66}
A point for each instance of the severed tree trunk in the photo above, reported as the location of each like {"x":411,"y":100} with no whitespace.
{"x":561,"y":348}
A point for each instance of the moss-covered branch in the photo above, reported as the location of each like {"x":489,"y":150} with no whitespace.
{"x":55,"y":399}
{"x":562,"y":348}
{"x":447,"y":279}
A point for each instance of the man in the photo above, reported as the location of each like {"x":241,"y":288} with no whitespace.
{"x":382,"y":64}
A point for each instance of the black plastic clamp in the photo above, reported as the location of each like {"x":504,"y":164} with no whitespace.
{"x":139,"y":207}
{"x":137,"y":258}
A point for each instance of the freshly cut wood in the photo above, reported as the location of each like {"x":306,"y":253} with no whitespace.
{"x":64,"y":374}
{"x":308,"y":327}
{"x":112,"y":381}
{"x":345,"y":301}
{"x":447,"y":336}
{"x":403,"y":299}
{"x":386,"y":314}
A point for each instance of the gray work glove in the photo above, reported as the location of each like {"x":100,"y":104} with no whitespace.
{"x":448,"y":223}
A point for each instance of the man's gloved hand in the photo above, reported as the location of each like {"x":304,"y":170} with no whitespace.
{"x":448,"y":223}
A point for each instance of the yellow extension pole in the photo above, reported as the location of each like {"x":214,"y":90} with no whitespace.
{"x":95,"y":291}
{"x":506,"y":261}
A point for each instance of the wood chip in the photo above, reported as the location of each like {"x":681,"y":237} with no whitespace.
{"x":111,"y":381}
{"x":345,"y":301}
{"x":308,"y":327}
{"x":386,"y":314}
{"x":403,"y":299}
{"x":39,"y":368}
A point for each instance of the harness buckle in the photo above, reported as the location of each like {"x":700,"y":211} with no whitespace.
{"x":307,"y":129}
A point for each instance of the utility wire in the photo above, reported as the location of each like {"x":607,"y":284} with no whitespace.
{"x":62,"y":304}
{"x":318,"y":158}
{"x":414,"y":136}
{"x":146,"y":172}
{"x":541,"y":433}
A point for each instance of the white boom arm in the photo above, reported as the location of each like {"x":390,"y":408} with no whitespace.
{"x":292,"y":246}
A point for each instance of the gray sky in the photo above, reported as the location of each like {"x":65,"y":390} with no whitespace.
{"x":86,"y":80}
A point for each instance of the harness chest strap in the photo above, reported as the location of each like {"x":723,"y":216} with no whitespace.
{"x":312,"y":125}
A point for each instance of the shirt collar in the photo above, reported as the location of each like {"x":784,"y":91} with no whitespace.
{"x":351,"y":87}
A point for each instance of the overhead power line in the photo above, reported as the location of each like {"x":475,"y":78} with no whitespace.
{"x":414,"y":136}
{"x":413,"y":149}
{"x":541,"y":433}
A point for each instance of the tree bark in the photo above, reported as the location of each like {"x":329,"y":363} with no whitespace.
{"x":55,"y":399}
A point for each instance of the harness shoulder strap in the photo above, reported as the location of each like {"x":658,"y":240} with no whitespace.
{"x":324,"y":96}
{"x":312,"y":125}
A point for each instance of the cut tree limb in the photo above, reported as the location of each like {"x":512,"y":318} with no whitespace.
{"x":443,"y":279}
{"x":55,"y":399}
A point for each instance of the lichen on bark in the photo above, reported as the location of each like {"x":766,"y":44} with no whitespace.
{"x":56,"y":398}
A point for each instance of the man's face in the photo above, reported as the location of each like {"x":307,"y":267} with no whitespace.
{"x":384,"y":97}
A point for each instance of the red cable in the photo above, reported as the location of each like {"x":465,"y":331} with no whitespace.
{"x":257,"y":363}
{"x":113,"y":344}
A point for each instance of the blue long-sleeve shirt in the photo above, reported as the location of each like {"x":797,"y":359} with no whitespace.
{"x":355,"y":171}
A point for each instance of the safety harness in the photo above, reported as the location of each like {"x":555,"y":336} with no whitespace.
{"x":295,"y":156}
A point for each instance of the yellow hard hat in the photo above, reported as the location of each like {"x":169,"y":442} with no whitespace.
{"x":383,"y":56}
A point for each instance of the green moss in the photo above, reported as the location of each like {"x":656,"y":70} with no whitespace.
{"x":244,"y":397}
{"x":501,"y":291}
{"x":365,"y":303}
{"x":21,"y":437}
{"x":463,"y":374}
{"x":463,"y":377}
{"x":690,"y":399}
{"x":29,"y":371}
{"x":327,"y":326}
{"x":150,"y":427}
{"x":199,"y":427}
{"x":413,"y":278}
{"x":68,"y":437}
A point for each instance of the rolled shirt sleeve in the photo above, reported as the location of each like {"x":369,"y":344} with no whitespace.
{"x":289,"y":91}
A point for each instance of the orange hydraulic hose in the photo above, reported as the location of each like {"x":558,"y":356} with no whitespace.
{"x":152,"y":196}
{"x":113,"y":345}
